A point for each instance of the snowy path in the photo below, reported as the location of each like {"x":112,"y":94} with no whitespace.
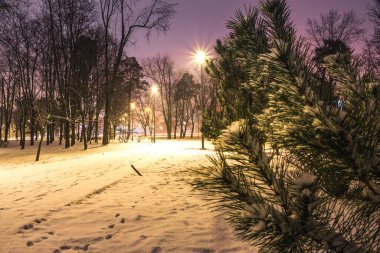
{"x":97,"y":203}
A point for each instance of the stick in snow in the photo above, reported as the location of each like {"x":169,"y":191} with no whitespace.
{"x":133,"y":167}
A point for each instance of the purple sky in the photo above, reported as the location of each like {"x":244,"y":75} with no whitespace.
{"x":198,"y":23}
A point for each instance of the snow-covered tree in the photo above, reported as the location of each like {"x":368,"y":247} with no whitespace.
{"x":302,"y":175}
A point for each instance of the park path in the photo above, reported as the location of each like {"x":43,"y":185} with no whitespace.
{"x":97,"y":203}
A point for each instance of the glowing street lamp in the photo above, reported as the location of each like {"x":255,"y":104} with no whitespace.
{"x":200,"y":58}
{"x":133,"y":106}
{"x":154,"y":92}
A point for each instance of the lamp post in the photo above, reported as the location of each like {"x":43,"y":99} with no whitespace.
{"x":147,"y":117}
{"x":200,"y":58}
{"x":124,"y":131}
{"x":154,"y":92}
{"x":133,"y":106}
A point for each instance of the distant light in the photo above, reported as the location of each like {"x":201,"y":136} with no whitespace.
{"x":133,"y":105}
{"x":147,"y":109}
{"x":154,"y":89}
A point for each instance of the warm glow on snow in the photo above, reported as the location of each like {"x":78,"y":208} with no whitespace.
{"x":98,"y":203}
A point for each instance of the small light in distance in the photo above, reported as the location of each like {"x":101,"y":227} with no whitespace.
{"x":154,"y":89}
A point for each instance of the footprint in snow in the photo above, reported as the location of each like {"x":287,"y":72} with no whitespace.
{"x":156,"y":250}
{"x":65,"y":247}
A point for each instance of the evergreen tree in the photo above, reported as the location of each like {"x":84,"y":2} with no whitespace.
{"x":237,"y":63}
{"x":302,"y":175}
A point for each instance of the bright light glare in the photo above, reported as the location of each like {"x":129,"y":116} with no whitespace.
{"x":133,"y":105}
{"x":154,"y":89}
{"x":200,"y":57}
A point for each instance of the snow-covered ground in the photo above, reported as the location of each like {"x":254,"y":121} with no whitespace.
{"x":93,"y":201}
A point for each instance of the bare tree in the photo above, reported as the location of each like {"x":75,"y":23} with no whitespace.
{"x":160,"y":69}
{"x":59,"y":67}
{"x":334,"y":26}
{"x":185,"y":104}
{"x":143,"y":112}
{"x":371,"y":52}
{"x":153,"y":17}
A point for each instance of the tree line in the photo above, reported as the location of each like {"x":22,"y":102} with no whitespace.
{"x":65,"y":74}
{"x":64,"y":70}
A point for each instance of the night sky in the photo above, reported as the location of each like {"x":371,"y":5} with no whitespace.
{"x":198,"y":23}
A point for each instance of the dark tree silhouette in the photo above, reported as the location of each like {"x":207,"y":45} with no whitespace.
{"x":334,"y":26}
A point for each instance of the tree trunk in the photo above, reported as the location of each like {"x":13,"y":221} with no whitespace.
{"x":184,"y":131}
{"x":106,"y":124}
{"x":61,"y":133}
{"x":40,"y":144}
{"x":17,"y":129}
{"x":23,"y":126}
{"x":176,"y":121}
{"x":168,"y":129}
{"x":114,"y":131}
{"x":175,"y":128}
{"x":32,"y":127}
{"x":90,"y":128}
{"x":20,"y":128}
{"x":84,"y":133}
{"x":67,"y":134}
{"x":8,"y":120}
{"x":47,"y":134}
{"x":36,"y":133}
{"x":192,"y":127}
{"x":168,"y":122}
{"x":72,"y":134}
{"x":52,"y":132}
{"x":96,"y":127}
{"x":79,"y":134}
{"x":6,"y":130}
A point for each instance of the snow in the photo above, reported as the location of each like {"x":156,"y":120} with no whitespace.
{"x":236,"y":126}
{"x":231,"y":133}
{"x":305,"y":179}
{"x":306,"y":192}
{"x":261,"y":225}
{"x":256,"y":211}
{"x":76,"y":201}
